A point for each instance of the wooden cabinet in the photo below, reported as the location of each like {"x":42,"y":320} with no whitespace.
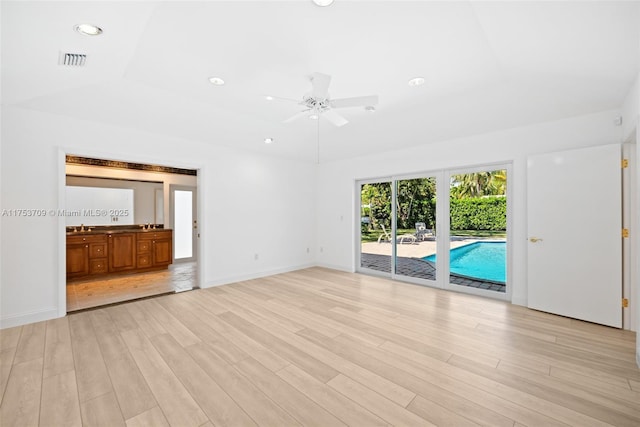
{"x":143,"y":250}
{"x":122,"y":254}
{"x":115,"y":252}
{"x":155,"y":248}
{"x":86,"y":255}
{"x":77,"y":259}
{"x":98,"y":261}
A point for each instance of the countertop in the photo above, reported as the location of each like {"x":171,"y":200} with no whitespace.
{"x":117,"y":231}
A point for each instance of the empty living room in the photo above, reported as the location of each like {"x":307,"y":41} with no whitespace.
{"x":319,"y":213}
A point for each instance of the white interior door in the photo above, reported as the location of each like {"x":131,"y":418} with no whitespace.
{"x":574,"y":230}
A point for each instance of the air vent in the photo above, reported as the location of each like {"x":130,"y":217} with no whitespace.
{"x":73,"y":59}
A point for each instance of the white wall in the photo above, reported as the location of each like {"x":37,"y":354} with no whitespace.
{"x":336,"y":180}
{"x":250,"y":204}
{"x":630,"y":110}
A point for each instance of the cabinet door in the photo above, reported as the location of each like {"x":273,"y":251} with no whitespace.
{"x":162,"y":252}
{"x":122,"y":254}
{"x":77,"y":259}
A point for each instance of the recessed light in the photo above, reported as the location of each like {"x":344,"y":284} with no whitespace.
{"x":416,"y":81}
{"x":216,"y":81}
{"x":323,"y":3}
{"x":269,"y":98}
{"x":313,"y":117}
{"x":88,"y":29}
{"x":268,"y":140}
{"x":370,"y":108}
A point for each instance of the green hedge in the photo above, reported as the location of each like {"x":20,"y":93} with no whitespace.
{"x":488,"y":213}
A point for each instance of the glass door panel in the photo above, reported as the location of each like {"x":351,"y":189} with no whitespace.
{"x":375,"y":226}
{"x":415,"y":228}
{"x":184,"y":222}
{"x":478,"y":229}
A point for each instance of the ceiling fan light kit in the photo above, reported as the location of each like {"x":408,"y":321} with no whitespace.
{"x":323,"y":3}
{"x":318,"y":102}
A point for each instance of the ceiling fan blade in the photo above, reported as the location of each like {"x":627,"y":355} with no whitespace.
{"x":358,"y":101}
{"x":297,"y":116}
{"x":335,"y":118}
{"x":320,"y":85}
{"x":279,"y":98}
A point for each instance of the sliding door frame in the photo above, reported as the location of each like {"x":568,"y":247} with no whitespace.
{"x":477,"y":291}
{"x":358,"y":226}
{"x":443,"y":233}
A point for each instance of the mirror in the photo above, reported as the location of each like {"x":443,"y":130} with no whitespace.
{"x":99,"y":206}
{"x":109,"y":201}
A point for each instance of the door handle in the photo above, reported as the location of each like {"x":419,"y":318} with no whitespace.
{"x":535,"y":239}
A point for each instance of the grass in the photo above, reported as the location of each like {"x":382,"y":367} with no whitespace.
{"x":372,"y":235}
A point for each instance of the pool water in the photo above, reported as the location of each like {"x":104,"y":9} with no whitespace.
{"x":479,"y":260}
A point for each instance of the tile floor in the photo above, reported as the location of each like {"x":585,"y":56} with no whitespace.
{"x":89,"y":293}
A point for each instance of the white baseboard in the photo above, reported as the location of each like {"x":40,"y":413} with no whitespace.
{"x":519,"y":300}
{"x":335,"y":267}
{"x":257,"y":275}
{"x":28,"y":317}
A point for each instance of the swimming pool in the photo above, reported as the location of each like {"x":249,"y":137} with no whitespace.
{"x":480,"y":260}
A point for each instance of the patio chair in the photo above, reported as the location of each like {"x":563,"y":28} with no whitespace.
{"x":422,"y":231}
{"x":386,"y":237}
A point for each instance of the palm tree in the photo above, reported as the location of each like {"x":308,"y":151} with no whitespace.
{"x":478,"y":184}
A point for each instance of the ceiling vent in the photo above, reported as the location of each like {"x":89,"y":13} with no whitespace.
{"x":72,"y":59}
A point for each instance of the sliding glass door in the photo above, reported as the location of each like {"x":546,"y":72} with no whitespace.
{"x":415,"y":228}
{"x":375,"y":227}
{"x":478,"y":229}
{"x":446,"y":229}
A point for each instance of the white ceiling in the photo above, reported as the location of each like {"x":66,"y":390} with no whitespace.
{"x":487,"y":65}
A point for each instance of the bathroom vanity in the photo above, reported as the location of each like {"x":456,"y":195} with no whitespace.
{"x":108,"y":250}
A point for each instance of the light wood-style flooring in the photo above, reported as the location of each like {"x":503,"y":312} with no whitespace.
{"x":96,"y":292}
{"x":317,"y":347}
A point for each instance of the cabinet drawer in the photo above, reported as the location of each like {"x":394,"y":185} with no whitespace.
{"x":97,"y":250}
{"x":144,"y":246}
{"x":152,"y":235}
{"x":95,"y":238}
{"x":98,"y":265}
{"x":144,"y":261}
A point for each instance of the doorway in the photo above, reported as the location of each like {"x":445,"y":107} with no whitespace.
{"x":143,"y":235}
{"x":184,"y":223}
{"x":375,"y":250}
{"x":478,"y":228}
{"x":445,"y":229}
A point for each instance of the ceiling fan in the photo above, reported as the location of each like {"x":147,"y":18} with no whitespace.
{"x":318,"y":103}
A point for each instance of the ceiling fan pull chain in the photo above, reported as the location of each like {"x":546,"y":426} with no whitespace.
{"x":318,"y":143}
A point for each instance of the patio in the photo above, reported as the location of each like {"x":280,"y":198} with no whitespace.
{"x":377,"y":256}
